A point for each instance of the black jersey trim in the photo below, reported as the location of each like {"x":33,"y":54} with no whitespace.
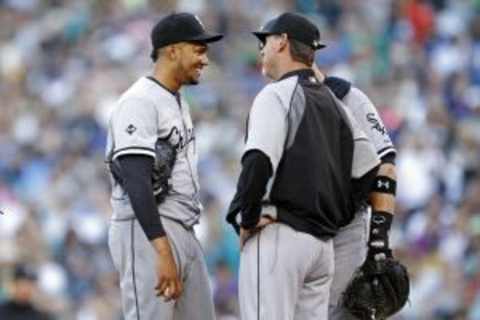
{"x":161,"y":85}
{"x":383,"y":151}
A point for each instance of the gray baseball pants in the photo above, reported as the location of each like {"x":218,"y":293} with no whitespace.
{"x":135,"y":259}
{"x":350,"y":247}
{"x":285,"y":275}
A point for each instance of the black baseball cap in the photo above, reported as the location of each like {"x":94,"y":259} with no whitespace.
{"x":180,"y":27}
{"x":295,"y":26}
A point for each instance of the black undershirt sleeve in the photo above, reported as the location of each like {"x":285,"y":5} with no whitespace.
{"x":137,"y":181}
{"x":389,"y":158}
{"x":251,"y":187}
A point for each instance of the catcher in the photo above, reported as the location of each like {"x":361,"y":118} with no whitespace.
{"x":380,"y":286}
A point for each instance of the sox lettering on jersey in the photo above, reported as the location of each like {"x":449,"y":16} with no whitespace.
{"x":179,"y":141}
{"x":371,"y":117}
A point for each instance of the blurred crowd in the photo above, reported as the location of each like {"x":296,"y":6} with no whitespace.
{"x":63,"y":63}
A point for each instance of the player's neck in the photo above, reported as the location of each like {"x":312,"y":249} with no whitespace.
{"x":167,"y":77}
{"x":289,"y":66}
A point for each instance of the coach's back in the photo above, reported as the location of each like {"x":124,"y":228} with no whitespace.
{"x":312,"y":173}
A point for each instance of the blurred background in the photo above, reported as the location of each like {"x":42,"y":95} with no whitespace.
{"x":64,"y":63}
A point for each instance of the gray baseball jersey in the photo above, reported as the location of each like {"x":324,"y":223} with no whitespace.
{"x":350,"y":243}
{"x":146,"y":112}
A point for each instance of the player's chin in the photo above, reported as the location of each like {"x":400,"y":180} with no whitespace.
{"x":192,"y":81}
{"x":194,"y":78}
{"x":266,"y":73}
{"x":265,"y":68}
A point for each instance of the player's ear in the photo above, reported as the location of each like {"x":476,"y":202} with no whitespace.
{"x":282,"y":42}
{"x":171,"y":52}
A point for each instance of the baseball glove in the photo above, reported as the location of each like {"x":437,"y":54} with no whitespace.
{"x":166,"y":155}
{"x":378,"y":289}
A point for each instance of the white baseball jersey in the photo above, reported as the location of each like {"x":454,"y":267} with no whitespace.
{"x":369,"y":121}
{"x":147,"y":111}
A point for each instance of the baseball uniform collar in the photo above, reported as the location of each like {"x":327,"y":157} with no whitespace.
{"x":175,"y":94}
{"x":301,"y":73}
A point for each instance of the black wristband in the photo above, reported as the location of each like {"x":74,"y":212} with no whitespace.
{"x":382,"y":219}
{"x":389,"y":158}
{"x":380,"y":224}
{"x":384,"y":184}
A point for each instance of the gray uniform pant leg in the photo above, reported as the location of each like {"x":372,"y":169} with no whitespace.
{"x":135,"y":260}
{"x":285,"y":275}
{"x":350,"y":247}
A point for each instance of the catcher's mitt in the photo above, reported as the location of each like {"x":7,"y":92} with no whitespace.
{"x":377,"y":290}
{"x":166,"y":155}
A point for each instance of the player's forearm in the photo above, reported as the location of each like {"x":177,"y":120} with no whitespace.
{"x":383,"y":201}
{"x":252,"y":184}
{"x":137,"y":177}
{"x":161,"y":245}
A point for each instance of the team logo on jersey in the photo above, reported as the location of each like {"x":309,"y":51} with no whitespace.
{"x":131,"y":129}
{"x":179,"y":141}
{"x":375,"y":123}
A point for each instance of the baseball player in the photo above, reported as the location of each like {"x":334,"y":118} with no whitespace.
{"x":352,"y":241}
{"x":294,"y":191}
{"x":152,"y":243}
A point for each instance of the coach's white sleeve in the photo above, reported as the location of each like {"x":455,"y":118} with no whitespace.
{"x":369,"y":121}
{"x":134,"y":128}
{"x":267,"y":126}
